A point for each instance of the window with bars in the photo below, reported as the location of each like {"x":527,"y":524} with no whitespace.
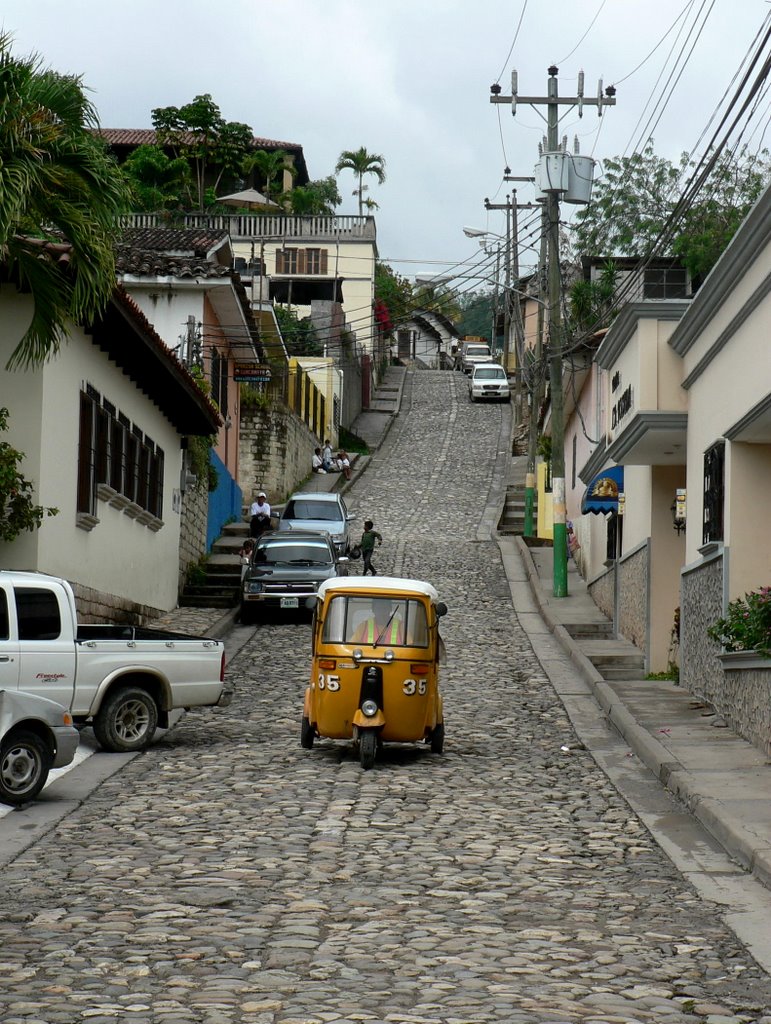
{"x":665,"y":283}
{"x":112,"y":451}
{"x":302,"y":261}
{"x":714,"y":493}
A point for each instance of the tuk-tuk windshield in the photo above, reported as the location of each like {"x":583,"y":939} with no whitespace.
{"x":390,"y":622}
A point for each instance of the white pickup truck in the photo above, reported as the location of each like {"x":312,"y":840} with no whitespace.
{"x":124,"y":679}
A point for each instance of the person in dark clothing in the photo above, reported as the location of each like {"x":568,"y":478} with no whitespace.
{"x":369,"y":538}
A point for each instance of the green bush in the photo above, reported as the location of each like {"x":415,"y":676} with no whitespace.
{"x":746,"y":625}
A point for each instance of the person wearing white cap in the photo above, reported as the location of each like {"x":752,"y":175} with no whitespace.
{"x":260,"y":513}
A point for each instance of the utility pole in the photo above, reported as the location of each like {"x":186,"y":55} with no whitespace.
{"x":536,"y":387}
{"x":553,"y":182}
{"x":512,"y":270}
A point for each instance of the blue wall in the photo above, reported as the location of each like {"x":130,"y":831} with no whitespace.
{"x":224,"y":503}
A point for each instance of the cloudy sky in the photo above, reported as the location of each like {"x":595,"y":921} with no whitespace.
{"x":410,"y":80}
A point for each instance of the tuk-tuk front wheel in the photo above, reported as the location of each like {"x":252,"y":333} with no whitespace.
{"x":437,"y":739}
{"x":367,"y":748}
{"x":307,"y":735}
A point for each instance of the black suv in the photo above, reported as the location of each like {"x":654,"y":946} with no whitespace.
{"x":286,"y":569}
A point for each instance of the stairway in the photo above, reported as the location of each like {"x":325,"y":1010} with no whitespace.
{"x":513,"y":517}
{"x":222,"y":586}
{"x":613,"y":657}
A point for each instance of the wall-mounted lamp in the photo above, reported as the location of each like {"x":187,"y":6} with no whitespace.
{"x":677,"y":508}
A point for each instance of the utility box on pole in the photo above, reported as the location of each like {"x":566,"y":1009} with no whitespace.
{"x":553,"y":183}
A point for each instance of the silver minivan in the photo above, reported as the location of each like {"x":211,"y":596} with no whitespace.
{"x":489,"y":380}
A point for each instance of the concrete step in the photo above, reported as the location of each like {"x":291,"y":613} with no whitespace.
{"x":601,"y":629}
{"x":614,"y":659}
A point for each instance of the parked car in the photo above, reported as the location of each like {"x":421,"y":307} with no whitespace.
{"x":475,"y":352}
{"x":287,"y":568}
{"x":36,"y":735}
{"x":319,"y":510}
{"x":489,"y":380}
{"x":123,"y":679}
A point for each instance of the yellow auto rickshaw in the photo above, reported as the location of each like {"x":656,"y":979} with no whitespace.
{"x":376,"y":655}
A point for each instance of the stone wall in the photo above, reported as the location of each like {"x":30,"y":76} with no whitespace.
{"x":744,"y":698}
{"x":94,"y":606}
{"x":192,"y":529}
{"x":602,"y":592}
{"x":633,"y":584}
{"x":701,"y":604}
{"x":276,"y":451}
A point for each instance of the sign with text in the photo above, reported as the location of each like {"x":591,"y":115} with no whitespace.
{"x":251,"y":373}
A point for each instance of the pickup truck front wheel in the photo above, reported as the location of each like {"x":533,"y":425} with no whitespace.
{"x":127,"y":720}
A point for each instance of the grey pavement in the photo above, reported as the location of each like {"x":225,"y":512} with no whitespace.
{"x":228,"y":877}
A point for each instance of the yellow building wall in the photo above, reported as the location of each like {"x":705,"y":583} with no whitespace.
{"x":545,"y":505}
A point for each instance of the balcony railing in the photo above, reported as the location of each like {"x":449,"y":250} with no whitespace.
{"x":259,"y":225}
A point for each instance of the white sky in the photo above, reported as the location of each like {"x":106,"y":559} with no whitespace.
{"x":407,"y":79}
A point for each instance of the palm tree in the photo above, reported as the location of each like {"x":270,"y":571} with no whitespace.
{"x":61,"y":195}
{"x":270,"y":165}
{"x":361,"y":162}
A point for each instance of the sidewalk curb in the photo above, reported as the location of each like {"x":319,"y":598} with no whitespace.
{"x":739,"y":842}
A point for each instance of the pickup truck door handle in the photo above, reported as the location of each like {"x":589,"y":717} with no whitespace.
{"x":5,"y":657}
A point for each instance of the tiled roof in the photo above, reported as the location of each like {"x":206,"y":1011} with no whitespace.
{"x":170,"y":252}
{"x":147,"y":137}
{"x":162,"y":377}
{"x":187,"y":241}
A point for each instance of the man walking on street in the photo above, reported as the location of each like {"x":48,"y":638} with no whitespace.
{"x":367,"y":546}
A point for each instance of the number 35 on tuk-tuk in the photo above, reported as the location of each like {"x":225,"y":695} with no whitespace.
{"x":376,"y":655}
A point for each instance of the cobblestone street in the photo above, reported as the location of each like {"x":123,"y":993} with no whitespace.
{"x":227,"y":876}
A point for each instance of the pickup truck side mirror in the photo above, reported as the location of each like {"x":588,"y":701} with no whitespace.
{"x":350,"y":516}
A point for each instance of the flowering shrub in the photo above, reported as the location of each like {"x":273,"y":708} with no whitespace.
{"x":747,"y":624}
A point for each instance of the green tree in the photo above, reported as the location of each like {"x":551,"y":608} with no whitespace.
{"x":299,"y":336}
{"x":476,"y":315}
{"x":592,"y":301}
{"x":213,"y":147}
{"x":157,"y":181}
{"x":438,"y":298}
{"x":394,"y":292}
{"x":361,"y":162}
{"x":317,"y":198}
{"x":637,"y":196}
{"x":61,"y":195}
{"x":270,"y":166}
{"x":18,"y":512}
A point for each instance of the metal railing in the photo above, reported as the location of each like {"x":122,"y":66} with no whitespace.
{"x":258,"y":225}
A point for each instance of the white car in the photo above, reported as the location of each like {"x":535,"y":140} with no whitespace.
{"x":489,"y":380}
{"x":36,"y":735}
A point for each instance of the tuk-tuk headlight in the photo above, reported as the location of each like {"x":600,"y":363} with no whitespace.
{"x":369,"y":708}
